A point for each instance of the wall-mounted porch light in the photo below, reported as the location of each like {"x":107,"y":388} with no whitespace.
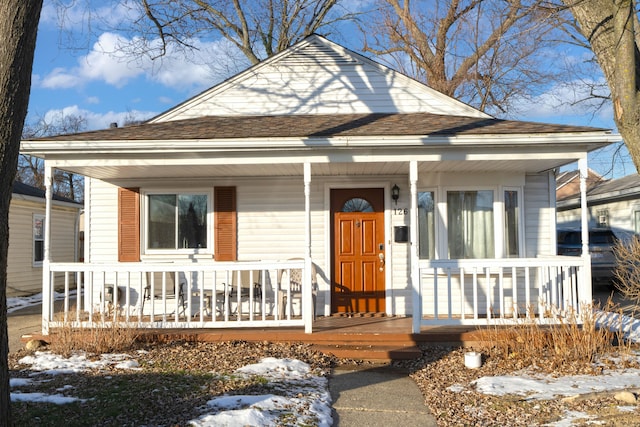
{"x":395,"y":193}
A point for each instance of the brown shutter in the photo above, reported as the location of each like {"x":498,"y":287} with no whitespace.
{"x":224,"y":205}
{"x":128,"y":225}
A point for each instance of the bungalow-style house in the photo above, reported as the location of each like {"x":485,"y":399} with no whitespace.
{"x":613,"y":204}
{"x":27,"y":212}
{"x":319,"y":182}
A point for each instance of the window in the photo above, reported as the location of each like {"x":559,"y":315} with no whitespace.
{"x":636,"y":220}
{"x":38,"y":239}
{"x":357,"y":205}
{"x":426,"y":224}
{"x":603,"y":218}
{"x":511,"y":224}
{"x":177,"y":221}
{"x":470,"y":228}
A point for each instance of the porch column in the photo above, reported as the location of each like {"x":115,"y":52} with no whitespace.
{"x":307,"y":292}
{"x":585,"y":290}
{"x":47,"y":297}
{"x":414,"y":254}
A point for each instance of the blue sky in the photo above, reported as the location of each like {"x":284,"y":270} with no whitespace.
{"x":79,"y":70}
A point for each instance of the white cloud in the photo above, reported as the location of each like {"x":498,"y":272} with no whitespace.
{"x":99,"y":120}
{"x":110,"y":63}
{"x":86,"y":15}
{"x":567,"y":99}
{"x":93,"y":100}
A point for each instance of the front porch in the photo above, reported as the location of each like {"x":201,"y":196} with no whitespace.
{"x":260,"y":294}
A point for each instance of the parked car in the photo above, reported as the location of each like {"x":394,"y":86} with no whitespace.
{"x":601,"y":244}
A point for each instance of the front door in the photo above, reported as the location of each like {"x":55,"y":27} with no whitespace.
{"x":358,"y":256}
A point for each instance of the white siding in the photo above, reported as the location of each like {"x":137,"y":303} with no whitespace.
{"x":103,"y":211}
{"x":23,"y":278}
{"x":318,"y":78}
{"x":621,"y":217}
{"x":539,"y":212}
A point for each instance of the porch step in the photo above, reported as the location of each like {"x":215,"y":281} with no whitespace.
{"x":378,"y":353}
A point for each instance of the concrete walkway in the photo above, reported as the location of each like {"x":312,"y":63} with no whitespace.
{"x":379,"y":396}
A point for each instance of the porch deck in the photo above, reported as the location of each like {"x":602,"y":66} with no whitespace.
{"x":368,"y":337}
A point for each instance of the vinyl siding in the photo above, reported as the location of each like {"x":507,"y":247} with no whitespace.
{"x":319,"y":79}
{"x":23,"y":278}
{"x":539,"y":212}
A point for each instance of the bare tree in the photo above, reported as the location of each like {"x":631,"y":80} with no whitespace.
{"x":258,"y":28}
{"x":31,"y":169}
{"x":484,"y":52}
{"x":18,"y":29}
{"x":612,"y":31}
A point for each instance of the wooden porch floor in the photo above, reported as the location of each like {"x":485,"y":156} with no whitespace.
{"x":365,"y":337}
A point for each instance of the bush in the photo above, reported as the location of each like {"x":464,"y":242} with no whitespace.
{"x":627,"y":271}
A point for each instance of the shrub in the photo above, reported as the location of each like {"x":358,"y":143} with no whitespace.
{"x":627,"y":271}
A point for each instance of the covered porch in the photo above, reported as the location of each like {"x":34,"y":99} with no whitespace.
{"x":186,"y":292}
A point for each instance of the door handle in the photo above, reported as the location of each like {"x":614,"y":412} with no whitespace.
{"x":382,"y":262}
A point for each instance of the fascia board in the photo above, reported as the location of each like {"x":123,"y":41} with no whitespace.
{"x":59,"y":147}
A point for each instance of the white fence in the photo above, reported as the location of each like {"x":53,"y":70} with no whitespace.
{"x":495,"y":291}
{"x":174,"y":295}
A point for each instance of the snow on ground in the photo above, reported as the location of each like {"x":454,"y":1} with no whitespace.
{"x":307,"y":395}
{"x":303,"y":394}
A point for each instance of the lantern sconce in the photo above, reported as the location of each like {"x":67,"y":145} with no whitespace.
{"x":395,"y":193}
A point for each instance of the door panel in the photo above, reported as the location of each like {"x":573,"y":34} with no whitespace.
{"x":358,"y":260}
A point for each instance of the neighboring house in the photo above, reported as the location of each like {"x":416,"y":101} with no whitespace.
{"x":26,"y":237}
{"x":390,"y":196}
{"x":613,"y":204}
{"x":568,"y":183}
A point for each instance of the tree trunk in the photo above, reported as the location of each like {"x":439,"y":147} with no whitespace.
{"x":18,"y":29}
{"x":611,"y":27}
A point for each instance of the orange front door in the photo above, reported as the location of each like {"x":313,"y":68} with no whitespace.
{"x":359,"y":256}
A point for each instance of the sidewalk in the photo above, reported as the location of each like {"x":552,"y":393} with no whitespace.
{"x":379,"y":396}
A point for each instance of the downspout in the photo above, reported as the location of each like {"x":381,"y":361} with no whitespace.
{"x":584,"y":292}
{"x":416,"y":293}
{"x":47,"y":291}
{"x":307,"y":295}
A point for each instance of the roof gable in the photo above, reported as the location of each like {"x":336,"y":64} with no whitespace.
{"x":317,"y":76}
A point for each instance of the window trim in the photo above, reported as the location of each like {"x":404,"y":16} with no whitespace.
{"x":441,"y":219}
{"x":35,"y":217}
{"x":521,"y":229}
{"x":145,"y":193}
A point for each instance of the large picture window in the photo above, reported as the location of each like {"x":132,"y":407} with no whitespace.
{"x":470,"y":227}
{"x":177,"y":221}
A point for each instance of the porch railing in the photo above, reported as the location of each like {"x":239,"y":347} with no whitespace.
{"x":494,"y":291}
{"x":175,"y":295}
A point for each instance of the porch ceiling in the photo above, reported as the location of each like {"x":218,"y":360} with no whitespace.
{"x":180,"y":171}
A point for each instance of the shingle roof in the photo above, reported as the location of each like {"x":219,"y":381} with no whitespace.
{"x":376,"y":124}
{"x":29,"y":190}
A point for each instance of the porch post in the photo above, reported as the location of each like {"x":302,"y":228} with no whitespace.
{"x":414,"y":254}
{"x":585,"y":290}
{"x":47,"y":294}
{"x":307,"y":292}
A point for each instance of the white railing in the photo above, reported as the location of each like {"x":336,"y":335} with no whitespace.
{"x":175,"y":295}
{"x":496,"y":291}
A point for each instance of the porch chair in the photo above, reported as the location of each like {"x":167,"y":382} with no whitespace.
{"x":170,"y":288}
{"x":246,"y":279}
{"x":295,"y":284}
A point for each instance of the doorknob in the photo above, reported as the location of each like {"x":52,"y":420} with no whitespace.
{"x":381,"y":256}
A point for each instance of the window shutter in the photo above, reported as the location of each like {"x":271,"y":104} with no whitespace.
{"x":128,"y":225}
{"x":224,"y":203}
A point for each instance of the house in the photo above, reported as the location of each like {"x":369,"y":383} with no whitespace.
{"x":26,"y":237}
{"x":568,"y":183}
{"x":380,"y":193}
{"x":613,"y":204}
